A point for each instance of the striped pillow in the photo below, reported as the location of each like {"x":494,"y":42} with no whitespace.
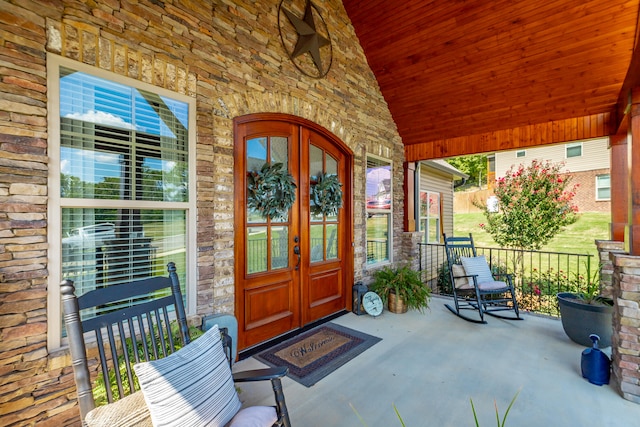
{"x":191,"y":387}
{"x":477,"y":266}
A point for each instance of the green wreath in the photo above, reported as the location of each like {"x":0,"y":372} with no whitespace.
{"x":271,"y":191}
{"x":326,"y":195}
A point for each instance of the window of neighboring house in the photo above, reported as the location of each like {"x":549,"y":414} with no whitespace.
{"x":491,"y":164}
{"x":430,"y":216}
{"x":521,"y":153}
{"x":379,"y":208}
{"x":603,"y":187}
{"x":122,"y":189}
{"x":574,"y":150}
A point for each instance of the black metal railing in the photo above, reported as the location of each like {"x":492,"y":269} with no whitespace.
{"x":538,"y":275}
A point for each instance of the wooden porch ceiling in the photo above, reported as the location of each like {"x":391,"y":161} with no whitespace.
{"x":468,"y":76}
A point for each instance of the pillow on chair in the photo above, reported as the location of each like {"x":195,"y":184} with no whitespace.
{"x":477,"y":266}
{"x":191,"y":387}
{"x":460,"y":282}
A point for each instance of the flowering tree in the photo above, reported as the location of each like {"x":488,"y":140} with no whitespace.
{"x":534,"y":204}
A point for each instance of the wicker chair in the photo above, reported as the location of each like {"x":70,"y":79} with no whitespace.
{"x":473,"y":284}
{"x":147,"y":327}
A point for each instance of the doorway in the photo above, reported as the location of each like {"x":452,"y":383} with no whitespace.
{"x":296,"y":269}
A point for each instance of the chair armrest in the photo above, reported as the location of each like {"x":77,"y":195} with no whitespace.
{"x":509,"y":276}
{"x":260,"y":374}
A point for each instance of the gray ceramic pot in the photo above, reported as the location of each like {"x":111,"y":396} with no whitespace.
{"x":580,"y":320}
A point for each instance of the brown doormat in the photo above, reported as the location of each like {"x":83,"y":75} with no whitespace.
{"x":313,"y":355}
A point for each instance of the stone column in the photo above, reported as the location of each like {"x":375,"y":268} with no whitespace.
{"x":410,"y":251}
{"x":605,"y":249}
{"x":625,"y":346}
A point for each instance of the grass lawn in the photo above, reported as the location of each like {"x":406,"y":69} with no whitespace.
{"x":577,"y":238}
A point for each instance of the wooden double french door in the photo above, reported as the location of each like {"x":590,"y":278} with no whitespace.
{"x":294,"y":270}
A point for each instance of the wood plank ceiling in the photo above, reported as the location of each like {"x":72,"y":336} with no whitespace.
{"x":470,"y":76}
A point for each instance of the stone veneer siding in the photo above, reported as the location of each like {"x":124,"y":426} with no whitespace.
{"x":620,"y":280}
{"x":625,"y":346}
{"x":226,"y":54}
{"x":605,"y":249}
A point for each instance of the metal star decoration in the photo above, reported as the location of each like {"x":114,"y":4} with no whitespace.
{"x":309,"y":39}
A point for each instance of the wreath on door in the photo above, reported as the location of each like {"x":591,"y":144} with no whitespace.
{"x":271,"y":191}
{"x":326,"y":194}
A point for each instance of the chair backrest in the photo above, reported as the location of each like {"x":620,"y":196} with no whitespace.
{"x":457,"y":247}
{"x":128,"y":334}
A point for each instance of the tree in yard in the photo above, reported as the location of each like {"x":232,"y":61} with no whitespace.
{"x":534,"y":204}
{"x":475,"y":166}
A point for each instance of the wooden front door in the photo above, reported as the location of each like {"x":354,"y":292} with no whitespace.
{"x":289,"y":271}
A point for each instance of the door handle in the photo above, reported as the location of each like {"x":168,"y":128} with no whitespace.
{"x":296,"y":251}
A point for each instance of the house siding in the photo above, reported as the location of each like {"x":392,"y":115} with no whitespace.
{"x":225,"y":54}
{"x":595,"y":156}
{"x":438,"y":182}
{"x":595,"y":160}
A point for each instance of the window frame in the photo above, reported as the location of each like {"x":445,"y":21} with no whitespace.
{"x":598,"y":187}
{"x":387,"y":212}
{"x":56,"y":203}
{"x":521,"y":153}
{"x":569,"y":146}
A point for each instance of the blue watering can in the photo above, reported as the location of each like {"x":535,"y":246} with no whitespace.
{"x":595,"y":365}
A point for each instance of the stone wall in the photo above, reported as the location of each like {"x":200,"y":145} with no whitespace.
{"x":225,"y":54}
{"x":625,"y":346}
{"x":605,"y":249}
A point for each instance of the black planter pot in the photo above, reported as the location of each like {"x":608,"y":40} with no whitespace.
{"x":580,"y":320}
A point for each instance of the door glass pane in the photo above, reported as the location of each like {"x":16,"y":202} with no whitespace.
{"x":331,"y":168}
{"x":331,"y":165}
{"x":279,"y":247}
{"x":317,"y":242}
{"x":256,"y":153}
{"x":256,"y":249}
{"x":315,"y":168}
{"x":279,"y":150}
{"x":332,"y":241}
{"x":256,"y":157}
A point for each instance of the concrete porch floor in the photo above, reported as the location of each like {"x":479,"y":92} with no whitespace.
{"x":429,"y":365}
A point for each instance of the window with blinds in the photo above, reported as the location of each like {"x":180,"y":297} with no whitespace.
{"x":379,"y":208}
{"x":124,"y":173}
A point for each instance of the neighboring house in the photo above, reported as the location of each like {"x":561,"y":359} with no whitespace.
{"x":435,"y":209}
{"x":586,"y":161}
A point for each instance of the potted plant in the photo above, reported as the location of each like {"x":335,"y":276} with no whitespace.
{"x":587,"y":312}
{"x":401,"y":288}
